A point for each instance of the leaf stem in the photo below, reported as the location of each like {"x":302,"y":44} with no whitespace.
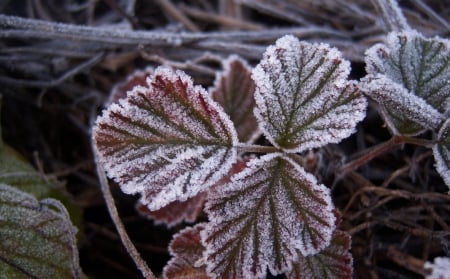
{"x":126,"y":241}
{"x":379,"y":149}
{"x":254,"y":148}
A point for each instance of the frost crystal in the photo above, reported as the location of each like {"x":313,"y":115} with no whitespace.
{"x":233,"y":90}
{"x":440,"y":268}
{"x":441,"y":152}
{"x":421,"y":66}
{"x":263,"y":217}
{"x":303,"y":97}
{"x":167,"y":140}
{"x":401,"y":110}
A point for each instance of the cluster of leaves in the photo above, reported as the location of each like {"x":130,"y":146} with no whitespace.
{"x":171,"y":141}
{"x":183,"y":148}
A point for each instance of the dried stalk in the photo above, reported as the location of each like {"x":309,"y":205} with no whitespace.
{"x":129,"y":246}
{"x":392,"y":14}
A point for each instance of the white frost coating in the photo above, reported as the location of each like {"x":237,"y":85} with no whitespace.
{"x":398,"y":101}
{"x":421,"y":65}
{"x":168,"y":140}
{"x":303,"y":98}
{"x":441,"y":152}
{"x":270,"y":209}
{"x":440,"y":268}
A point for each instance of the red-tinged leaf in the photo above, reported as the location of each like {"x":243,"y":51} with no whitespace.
{"x":187,"y":250}
{"x":334,"y":262}
{"x":263,"y":217}
{"x":233,"y":90}
{"x":136,"y":78}
{"x":175,"y":212}
{"x":441,"y":151}
{"x":303,"y":97}
{"x":167,"y":140}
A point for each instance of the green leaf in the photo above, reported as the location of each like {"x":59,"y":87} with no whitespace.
{"x":441,"y":152}
{"x":334,"y":262}
{"x":303,"y":97}
{"x":263,"y":217}
{"x":168,"y":140}
{"x":421,"y":66}
{"x":15,"y":171}
{"x":37,"y":238}
{"x":403,"y":112}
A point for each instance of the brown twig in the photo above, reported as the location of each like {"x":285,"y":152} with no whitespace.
{"x":126,"y":241}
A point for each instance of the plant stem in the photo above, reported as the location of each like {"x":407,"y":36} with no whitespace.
{"x":242,"y":147}
{"x":126,"y":241}
{"x":379,"y":149}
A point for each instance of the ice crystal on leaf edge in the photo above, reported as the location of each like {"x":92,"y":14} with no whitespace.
{"x":303,"y":97}
{"x":441,"y":152}
{"x":167,"y":140}
{"x":422,"y":67}
{"x":263,"y":217}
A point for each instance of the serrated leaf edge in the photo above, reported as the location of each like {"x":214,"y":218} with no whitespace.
{"x":422,"y":113}
{"x":440,"y":165}
{"x":296,"y":243}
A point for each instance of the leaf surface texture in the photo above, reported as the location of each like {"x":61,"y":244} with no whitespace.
{"x":234,"y":90}
{"x":421,"y":66}
{"x":303,"y":98}
{"x":37,"y":238}
{"x":267,"y":213}
{"x":167,"y":140}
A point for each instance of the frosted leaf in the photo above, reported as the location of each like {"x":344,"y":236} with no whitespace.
{"x":263,"y":217}
{"x":303,"y":98}
{"x":37,"y":238}
{"x":421,"y":65}
{"x":233,"y":90}
{"x":120,"y":90}
{"x":167,"y":140}
{"x":403,"y":112}
{"x":186,"y":249}
{"x":334,"y":262}
{"x":440,"y":268}
{"x":441,"y":152}
{"x":175,"y":212}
